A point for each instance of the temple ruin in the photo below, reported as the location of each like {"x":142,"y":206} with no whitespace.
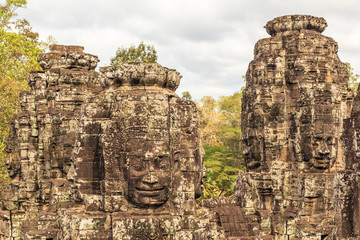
{"x":300,"y":138}
{"x":116,"y":154}
{"x":294,"y":106}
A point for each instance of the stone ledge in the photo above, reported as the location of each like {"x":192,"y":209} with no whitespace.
{"x":295,"y":22}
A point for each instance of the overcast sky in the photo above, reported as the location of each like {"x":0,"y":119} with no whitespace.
{"x":210,"y":42}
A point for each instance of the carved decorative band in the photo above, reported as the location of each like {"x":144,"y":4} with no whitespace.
{"x":295,"y":22}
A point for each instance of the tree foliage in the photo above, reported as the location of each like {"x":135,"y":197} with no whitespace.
{"x":142,"y":53}
{"x":353,"y":78}
{"x":230,"y":131}
{"x":210,"y":121}
{"x":221,"y":172}
{"x":20,"y":49}
{"x":220,"y":122}
{"x":186,"y":95}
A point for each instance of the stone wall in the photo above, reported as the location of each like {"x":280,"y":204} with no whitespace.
{"x":294,"y":107}
{"x":114,"y":154}
{"x":42,"y":139}
{"x":348,"y":182}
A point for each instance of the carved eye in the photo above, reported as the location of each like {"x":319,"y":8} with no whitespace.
{"x":163,"y":163}
{"x":317,"y":140}
{"x":330,"y":140}
{"x":138,"y":165}
{"x":164,"y":166}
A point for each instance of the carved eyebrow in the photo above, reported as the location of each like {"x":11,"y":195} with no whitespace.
{"x":162,"y":158}
{"x":137,"y":161}
{"x":162,"y":164}
{"x":138,"y":165}
{"x":137,"y":158}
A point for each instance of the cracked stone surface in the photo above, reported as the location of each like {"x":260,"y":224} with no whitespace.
{"x":114,"y":154}
{"x":295,"y":104}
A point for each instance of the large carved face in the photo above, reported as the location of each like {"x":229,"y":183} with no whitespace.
{"x":253,"y":145}
{"x":320,"y":150}
{"x":148,"y":174}
{"x":252,"y":150}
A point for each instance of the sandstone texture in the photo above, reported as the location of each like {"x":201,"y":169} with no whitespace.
{"x":348,"y":182}
{"x":295,"y":105}
{"x":114,"y":154}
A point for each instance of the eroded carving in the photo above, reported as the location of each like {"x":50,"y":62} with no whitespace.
{"x":148,"y":175}
{"x":294,"y":107}
{"x":109,"y":155}
{"x":319,"y":148}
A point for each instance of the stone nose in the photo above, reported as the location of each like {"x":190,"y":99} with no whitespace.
{"x":151,"y":178}
{"x":246,"y":150}
{"x":324,"y":149}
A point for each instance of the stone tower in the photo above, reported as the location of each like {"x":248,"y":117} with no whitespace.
{"x":114,"y":154}
{"x":294,"y":106}
{"x":42,"y":138}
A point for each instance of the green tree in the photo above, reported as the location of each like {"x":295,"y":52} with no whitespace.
{"x":220,"y":124}
{"x":20,"y":49}
{"x":141,"y":53}
{"x":186,"y":95}
{"x":221,"y":172}
{"x":353,"y":78}
{"x":230,"y":130}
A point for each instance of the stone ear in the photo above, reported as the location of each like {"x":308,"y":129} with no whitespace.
{"x":176,"y":162}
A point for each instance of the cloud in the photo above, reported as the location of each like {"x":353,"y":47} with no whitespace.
{"x":210,"y":42}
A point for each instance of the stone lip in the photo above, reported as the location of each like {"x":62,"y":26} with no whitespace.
{"x":68,"y":57}
{"x":141,"y":74}
{"x":295,"y":22}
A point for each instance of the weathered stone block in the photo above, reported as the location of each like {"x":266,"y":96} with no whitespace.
{"x":292,"y":125}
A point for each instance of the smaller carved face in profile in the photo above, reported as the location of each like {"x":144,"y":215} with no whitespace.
{"x":252,"y":152}
{"x":320,"y":151}
{"x":149,"y":178}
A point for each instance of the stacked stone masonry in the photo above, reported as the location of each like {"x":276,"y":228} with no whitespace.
{"x":116,"y":154}
{"x":295,"y":107}
{"x":300,"y":137}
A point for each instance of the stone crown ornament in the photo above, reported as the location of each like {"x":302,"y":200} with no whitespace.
{"x":117,"y":154}
{"x":141,"y":74}
{"x":295,"y":22}
{"x":67,"y":57}
{"x":114,"y":154}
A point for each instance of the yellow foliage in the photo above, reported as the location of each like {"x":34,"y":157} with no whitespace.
{"x":210,"y":120}
{"x":20,"y":50}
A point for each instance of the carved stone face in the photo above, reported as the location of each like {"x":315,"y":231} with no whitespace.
{"x":253,"y":125}
{"x":148,"y":176}
{"x":252,"y":152}
{"x":320,"y":151}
